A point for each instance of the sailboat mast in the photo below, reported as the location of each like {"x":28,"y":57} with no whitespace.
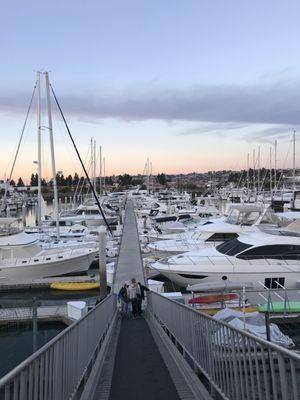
{"x":151,"y":176}
{"x":100,"y":177}
{"x":275,"y":166}
{"x":39,"y":137}
{"x":271,"y":172}
{"x":294,"y":160}
{"x":94,"y":166}
{"x":104,"y":172}
{"x":258,"y":169}
{"x":247,"y":176}
{"x":92,"y":162}
{"x":254,"y":166}
{"x":50,"y":127}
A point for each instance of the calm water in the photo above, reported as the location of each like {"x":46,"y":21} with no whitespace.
{"x":16,"y":342}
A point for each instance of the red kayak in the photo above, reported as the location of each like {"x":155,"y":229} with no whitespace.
{"x":213,"y":298}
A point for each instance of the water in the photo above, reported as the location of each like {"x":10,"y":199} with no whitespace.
{"x":16,"y":342}
{"x":31,"y":212}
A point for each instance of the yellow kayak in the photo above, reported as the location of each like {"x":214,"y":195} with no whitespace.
{"x":75,"y":285}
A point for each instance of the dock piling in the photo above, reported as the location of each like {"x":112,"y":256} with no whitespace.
{"x":102,"y":262}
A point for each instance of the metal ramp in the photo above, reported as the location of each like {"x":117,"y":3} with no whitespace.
{"x":136,"y":364}
{"x":130,"y":263}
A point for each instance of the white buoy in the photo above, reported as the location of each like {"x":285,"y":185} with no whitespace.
{"x":102,"y":262}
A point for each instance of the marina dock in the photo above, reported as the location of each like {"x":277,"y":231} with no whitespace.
{"x":173,"y":352}
{"x":139,"y":366}
{"x":25,"y":314}
{"x":130,"y":263}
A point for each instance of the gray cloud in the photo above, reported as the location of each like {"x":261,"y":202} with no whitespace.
{"x":231,"y":105}
{"x":249,"y":132}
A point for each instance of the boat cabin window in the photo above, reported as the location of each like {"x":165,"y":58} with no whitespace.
{"x":155,"y":205}
{"x":232,"y":247}
{"x":276,"y":251}
{"x":92,"y":212}
{"x":190,"y":276}
{"x":205,"y":215}
{"x":184,"y":216}
{"x":274,"y":283}
{"x":222,"y":237}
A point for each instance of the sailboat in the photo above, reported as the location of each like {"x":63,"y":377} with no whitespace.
{"x":22,"y":257}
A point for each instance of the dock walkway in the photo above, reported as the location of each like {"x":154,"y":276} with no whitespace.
{"x":130,"y":263}
{"x":139,"y":369}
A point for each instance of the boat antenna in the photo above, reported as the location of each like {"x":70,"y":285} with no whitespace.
{"x":81,"y":162}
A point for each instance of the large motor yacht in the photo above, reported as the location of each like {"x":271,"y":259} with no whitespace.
{"x":257,"y":257}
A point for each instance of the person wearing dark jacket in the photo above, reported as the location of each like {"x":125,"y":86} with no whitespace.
{"x":123,"y":297}
{"x":141,"y":297}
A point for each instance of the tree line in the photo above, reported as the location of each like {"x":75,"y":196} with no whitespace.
{"x":124,"y":180}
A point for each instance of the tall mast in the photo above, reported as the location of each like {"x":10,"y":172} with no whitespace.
{"x":271,"y":171}
{"x":294,"y":160}
{"x":247,"y":175}
{"x":275,"y":166}
{"x":104,"y":183}
{"x":254,"y":165}
{"x":52,"y":155}
{"x":94,"y":166}
{"x":148,"y":175}
{"x":39,"y":134}
{"x":92,"y":161}
{"x":151,"y":180}
{"x":100,"y":177}
{"x":258,"y":169}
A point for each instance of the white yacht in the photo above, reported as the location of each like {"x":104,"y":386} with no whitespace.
{"x":23,"y":259}
{"x":273,"y":260}
{"x":242,"y":218}
{"x":89,"y":214}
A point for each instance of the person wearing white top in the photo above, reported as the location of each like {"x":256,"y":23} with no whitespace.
{"x":134,"y":292}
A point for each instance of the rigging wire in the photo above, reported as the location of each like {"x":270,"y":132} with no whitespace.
{"x":22,"y":132}
{"x":20,"y":141}
{"x":81,"y":162}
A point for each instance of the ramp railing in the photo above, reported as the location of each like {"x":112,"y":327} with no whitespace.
{"x":60,"y":369}
{"x":231,"y":362}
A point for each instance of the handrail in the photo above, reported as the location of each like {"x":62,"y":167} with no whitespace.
{"x":64,"y":361}
{"x":235,"y":363}
{"x":274,"y":346}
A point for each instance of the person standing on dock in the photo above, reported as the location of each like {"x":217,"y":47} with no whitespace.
{"x":134,"y":292}
{"x":141,"y":297}
{"x":123,"y":297}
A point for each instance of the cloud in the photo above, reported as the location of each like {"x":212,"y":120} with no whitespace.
{"x":226,"y":107}
{"x":266,"y":133}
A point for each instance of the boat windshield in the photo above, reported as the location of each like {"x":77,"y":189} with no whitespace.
{"x":232,"y":247}
{"x":236,"y":217}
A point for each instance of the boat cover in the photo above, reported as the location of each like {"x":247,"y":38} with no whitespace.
{"x":254,"y":323}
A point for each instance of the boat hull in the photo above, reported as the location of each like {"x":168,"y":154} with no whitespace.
{"x":45,"y":267}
